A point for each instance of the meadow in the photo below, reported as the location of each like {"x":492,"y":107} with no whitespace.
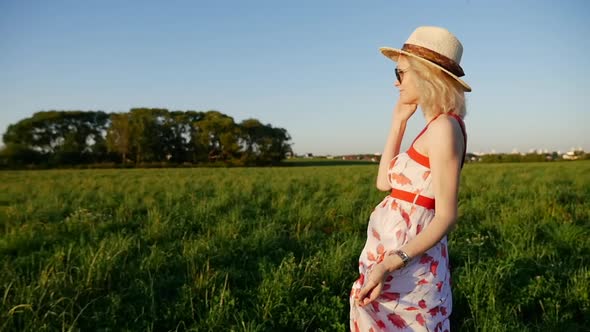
{"x":276,"y":249}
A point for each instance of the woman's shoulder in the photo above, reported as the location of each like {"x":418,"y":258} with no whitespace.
{"x":445,"y":123}
{"x":445,"y":128}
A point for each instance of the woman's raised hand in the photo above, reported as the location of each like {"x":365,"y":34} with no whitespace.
{"x":402,"y":112}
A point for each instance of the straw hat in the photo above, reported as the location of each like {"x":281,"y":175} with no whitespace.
{"x":434,"y":46}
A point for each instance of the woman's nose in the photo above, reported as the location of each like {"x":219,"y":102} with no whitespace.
{"x":396,"y":83}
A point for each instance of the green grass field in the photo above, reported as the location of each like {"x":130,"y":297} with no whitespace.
{"x":274,"y":249}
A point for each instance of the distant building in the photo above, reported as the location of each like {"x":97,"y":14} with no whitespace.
{"x":574,"y":154}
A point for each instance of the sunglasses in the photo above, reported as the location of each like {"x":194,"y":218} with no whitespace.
{"x":399,"y":74}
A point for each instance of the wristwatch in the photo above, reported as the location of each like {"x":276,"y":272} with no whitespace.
{"x":405,"y":258}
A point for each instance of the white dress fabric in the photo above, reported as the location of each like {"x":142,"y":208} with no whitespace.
{"x":416,"y":297}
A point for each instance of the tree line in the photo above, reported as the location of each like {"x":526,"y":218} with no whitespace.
{"x":528,"y":157}
{"x":141,"y":137}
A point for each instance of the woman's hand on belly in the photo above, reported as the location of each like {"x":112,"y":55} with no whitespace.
{"x":373,"y":286}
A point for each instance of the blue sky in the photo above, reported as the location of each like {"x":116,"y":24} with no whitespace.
{"x":312,"y":67}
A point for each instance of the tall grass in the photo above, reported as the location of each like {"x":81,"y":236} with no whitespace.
{"x":269,"y":249}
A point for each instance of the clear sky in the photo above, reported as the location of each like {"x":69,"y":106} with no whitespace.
{"x":312,"y":67}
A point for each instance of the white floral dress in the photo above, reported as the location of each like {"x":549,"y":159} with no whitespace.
{"x":417,"y":297}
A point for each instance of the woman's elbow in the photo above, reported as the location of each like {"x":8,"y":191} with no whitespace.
{"x":448,"y":218}
{"x":383,"y":186}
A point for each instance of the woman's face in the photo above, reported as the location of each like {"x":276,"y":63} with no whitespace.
{"x":408,"y":93}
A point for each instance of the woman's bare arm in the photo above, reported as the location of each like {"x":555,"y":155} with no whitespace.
{"x":401,"y":114}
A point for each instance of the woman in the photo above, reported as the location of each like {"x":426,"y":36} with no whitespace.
{"x":405,"y":281}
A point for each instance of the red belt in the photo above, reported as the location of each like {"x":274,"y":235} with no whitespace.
{"x":407,"y":196}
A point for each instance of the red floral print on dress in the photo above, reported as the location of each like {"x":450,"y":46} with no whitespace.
{"x":422,"y":304}
{"x":438,"y":327}
{"x":397,"y":320}
{"x":426,"y":258}
{"x":394,"y":206}
{"x":399,"y":178}
{"x":375,"y":305}
{"x":390,"y":296}
{"x":434,"y":311}
{"x":420,"y":319}
{"x":434,"y":267}
{"x":376,"y":234}
{"x":406,"y":217}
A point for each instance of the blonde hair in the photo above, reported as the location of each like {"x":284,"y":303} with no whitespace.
{"x":439,"y":92}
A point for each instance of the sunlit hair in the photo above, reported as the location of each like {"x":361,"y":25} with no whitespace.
{"x":438,"y":91}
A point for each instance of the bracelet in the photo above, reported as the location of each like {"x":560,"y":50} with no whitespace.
{"x":405,"y":258}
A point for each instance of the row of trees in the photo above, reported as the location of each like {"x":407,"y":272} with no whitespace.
{"x":141,"y":136}
{"x":529,"y":157}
